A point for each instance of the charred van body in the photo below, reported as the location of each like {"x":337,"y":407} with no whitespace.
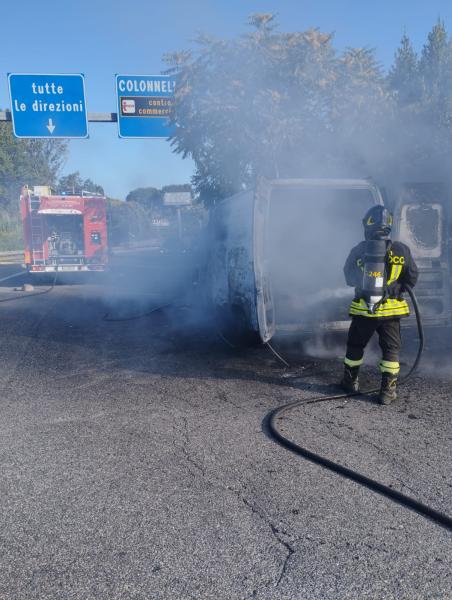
{"x":423,"y":222}
{"x":278,"y":251}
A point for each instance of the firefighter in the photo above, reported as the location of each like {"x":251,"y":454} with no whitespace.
{"x":53,"y":240}
{"x":378,"y":269}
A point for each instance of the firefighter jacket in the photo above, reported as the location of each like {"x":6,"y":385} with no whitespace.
{"x":400,"y":270}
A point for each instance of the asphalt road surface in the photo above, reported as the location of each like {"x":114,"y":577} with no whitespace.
{"x":134,"y":464}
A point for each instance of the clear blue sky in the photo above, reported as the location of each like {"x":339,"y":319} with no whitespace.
{"x":100,"y":38}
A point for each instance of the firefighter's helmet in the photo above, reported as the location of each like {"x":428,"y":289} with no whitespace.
{"x":377,"y":223}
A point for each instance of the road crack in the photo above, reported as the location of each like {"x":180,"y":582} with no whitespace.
{"x":225,"y":398}
{"x":277,"y":534}
{"x":195,"y":468}
{"x":184,"y":448}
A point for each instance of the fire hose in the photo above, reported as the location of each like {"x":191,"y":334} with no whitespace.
{"x":271,"y":426}
{"x":271,"y":423}
{"x":41,"y":293}
{"x":110,"y":319}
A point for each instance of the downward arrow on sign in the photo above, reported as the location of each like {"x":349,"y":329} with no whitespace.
{"x":50,"y":126}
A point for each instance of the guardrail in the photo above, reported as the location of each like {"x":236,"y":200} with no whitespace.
{"x":12,"y":256}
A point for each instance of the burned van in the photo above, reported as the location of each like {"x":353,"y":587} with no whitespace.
{"x":278,"y":252}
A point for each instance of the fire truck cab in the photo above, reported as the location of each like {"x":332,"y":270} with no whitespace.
{"x":64,"y":233}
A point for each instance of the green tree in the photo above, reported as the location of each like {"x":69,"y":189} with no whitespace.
{"x":74,"y":183}
{"x":90,"y":186}
{"x":32,"y":162}
{"x":435,"y":55}
{"x":177,"y":187}
{"x":274,"y":104}
{"x":70,"y":183}
{"x":128,"y":222}
{"x":23,"y":161}
{"x":435,"y":68}
{"x":360,"y":111}
{"x":149,"y":198}
{"x":404,"y":76}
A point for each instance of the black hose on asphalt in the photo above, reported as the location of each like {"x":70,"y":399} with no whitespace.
{"x":110,"y":319}
{"x":28,"y":295}
{"x":270,"y":425}
{"x":148,"y":313}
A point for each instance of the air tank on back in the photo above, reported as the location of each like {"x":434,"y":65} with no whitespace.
{"x":374,"y":276}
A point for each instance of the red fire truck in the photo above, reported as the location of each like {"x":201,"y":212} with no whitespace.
{"x":64,"y":233}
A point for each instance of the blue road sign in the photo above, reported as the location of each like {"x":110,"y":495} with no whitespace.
{"x":144,"y":105}
{"x":48,"y":106}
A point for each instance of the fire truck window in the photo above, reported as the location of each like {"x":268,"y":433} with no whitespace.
{"x":96,"y":237}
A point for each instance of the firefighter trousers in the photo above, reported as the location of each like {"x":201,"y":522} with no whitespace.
{"x":359,"y":334}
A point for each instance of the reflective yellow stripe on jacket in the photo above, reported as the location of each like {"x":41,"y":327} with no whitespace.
{"x":395,"y":273}
{"x":389,"y":308}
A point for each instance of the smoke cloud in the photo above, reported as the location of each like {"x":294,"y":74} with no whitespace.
{"x":287,"y":106}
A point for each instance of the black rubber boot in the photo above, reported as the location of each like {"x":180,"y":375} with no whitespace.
{"x":388,"y":390}
{"x":350,"y":381}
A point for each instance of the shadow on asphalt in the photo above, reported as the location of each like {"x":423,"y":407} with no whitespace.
{"x":178,"y":341}
{"x":173,"y":342}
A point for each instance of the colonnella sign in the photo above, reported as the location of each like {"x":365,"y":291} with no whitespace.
{"x":54,"y":106}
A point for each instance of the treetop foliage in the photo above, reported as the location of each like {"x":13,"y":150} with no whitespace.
{"x":288,"y":104}
{"x":32,"y":162}
{"x":151,"y":198}
{"x":73,"y":182}
{"x":282,"y":104}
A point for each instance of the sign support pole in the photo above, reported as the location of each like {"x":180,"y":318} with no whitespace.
{"x":5,"y":115}
{"x":179,"y":223}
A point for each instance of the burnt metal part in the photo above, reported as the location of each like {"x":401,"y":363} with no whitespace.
{"x":246,"y":281}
